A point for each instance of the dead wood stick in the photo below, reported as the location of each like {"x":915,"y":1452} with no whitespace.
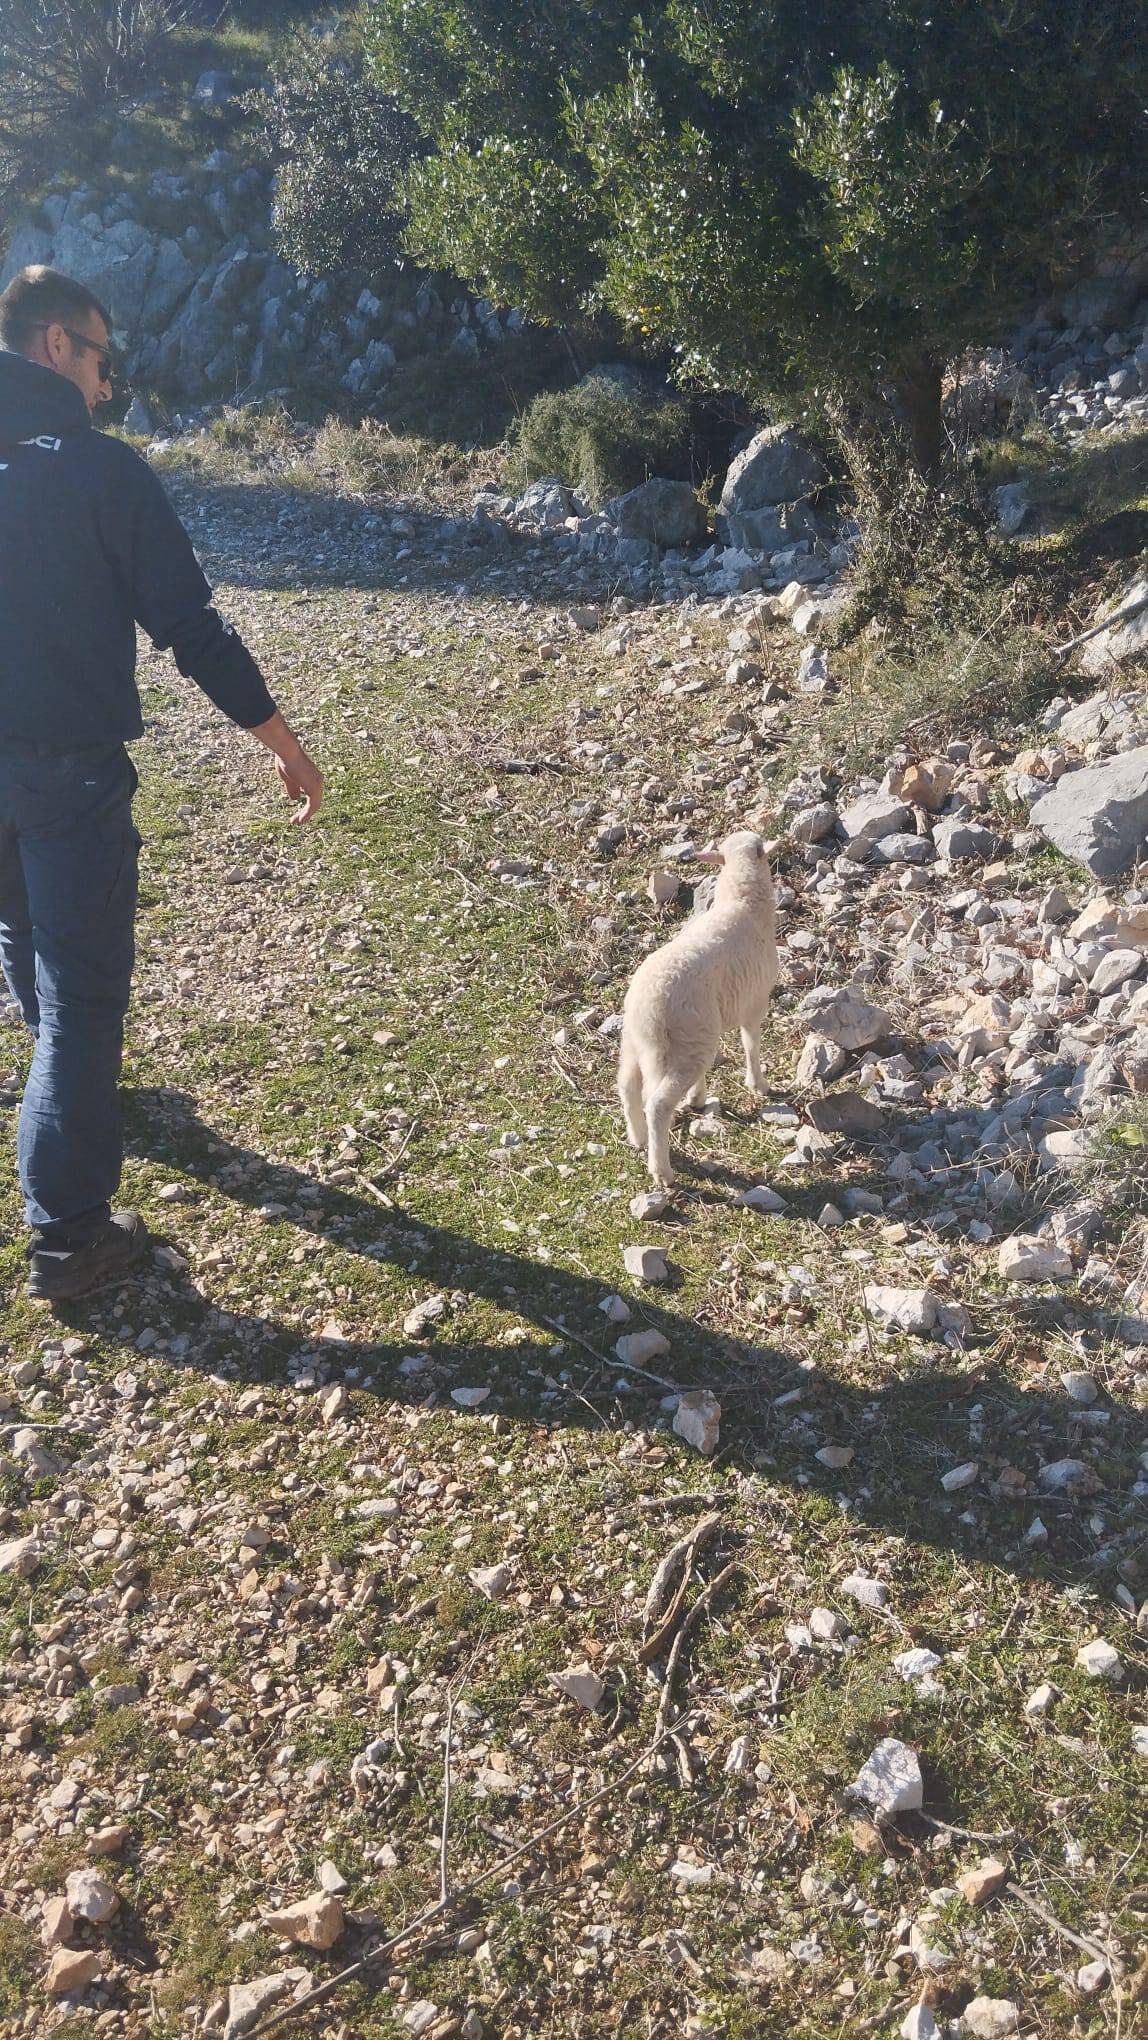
{"x":949,"y":1827}
{"x":430,"y":1913}
{"x":650,"y":1503}
{"x":680,"y":1555}
{"x":661,"y":1586}
{"x":1108,"y":623}
{"x":1082,"y":1941}
{"x":695,"y":1609}
{"x":443,"y":1879}
{"x":603,"y":1359}
{"x":396,"y":1158}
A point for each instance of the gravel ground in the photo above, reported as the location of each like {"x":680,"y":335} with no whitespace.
{"x":330,"y":1549}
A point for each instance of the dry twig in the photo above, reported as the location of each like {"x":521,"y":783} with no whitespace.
{"x":1107,"y":623}
{"x":1041,"y":1912}
{"x":707,"y":1594}
{"x":288,"y":2013}
{"x":603,"y":1359}
{"x":443,"y":1880}
{"x":663,"y":1603}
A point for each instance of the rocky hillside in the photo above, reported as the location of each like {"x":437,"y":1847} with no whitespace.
{"x":207,"y":310}
{"x":175,"y":234}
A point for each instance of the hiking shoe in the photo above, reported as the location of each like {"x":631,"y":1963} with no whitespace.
{"x":59,"y":1275}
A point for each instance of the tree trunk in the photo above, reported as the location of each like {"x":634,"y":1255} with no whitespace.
{"x":917,"y":385}
{"x":573,"y":352}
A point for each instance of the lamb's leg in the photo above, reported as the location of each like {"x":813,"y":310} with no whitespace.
{"x":751,"y":1043}
{"x":630,"y":1092}
{"x":661,"y":1105}
{"x":700,"y":1092}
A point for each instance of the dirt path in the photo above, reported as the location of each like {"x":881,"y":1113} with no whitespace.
{"x":357,"y":1459}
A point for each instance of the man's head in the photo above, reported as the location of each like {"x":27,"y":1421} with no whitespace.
{"x":61,"y":324}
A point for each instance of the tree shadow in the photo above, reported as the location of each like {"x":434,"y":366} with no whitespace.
{"x":778,"y":1408}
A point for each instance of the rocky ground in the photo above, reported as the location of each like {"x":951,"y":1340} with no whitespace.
{"x":735,"y":1607}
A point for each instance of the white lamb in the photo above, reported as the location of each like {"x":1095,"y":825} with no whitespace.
{"x":716,"y":973}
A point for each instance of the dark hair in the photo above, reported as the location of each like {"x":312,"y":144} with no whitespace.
{"x":38,"y":296}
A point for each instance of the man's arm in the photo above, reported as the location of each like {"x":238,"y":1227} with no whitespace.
{"x":171,"y":599}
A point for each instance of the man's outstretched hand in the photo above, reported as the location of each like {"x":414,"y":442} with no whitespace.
{"x":299,"y":776}
{"x":302,"y":781}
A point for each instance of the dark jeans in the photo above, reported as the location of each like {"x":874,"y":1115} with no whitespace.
{"x":68,"y":865}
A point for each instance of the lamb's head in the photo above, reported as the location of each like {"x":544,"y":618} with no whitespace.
{"x":744,"y":870}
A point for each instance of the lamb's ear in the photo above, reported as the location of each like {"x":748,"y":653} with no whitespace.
{"x":710,"y":856}
{"x":760,"y":851}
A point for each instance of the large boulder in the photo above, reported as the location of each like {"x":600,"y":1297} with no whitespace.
{"x":776,"y":467}
{"x":772,"y":528}
{"x":546,"y":501}
{"x":1099,"y":816}
{"x":659,"y":511}
{"x":214,"y":88}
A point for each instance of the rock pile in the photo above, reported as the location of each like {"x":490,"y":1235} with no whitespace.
{"x":768,"y":535}
{"x":1081,"y":361}
{"x":1021,"y":1018}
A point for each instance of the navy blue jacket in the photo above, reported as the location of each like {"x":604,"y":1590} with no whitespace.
{"x":89,"y":547}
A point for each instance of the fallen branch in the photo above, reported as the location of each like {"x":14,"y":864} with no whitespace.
{"x":396,"y":1158}
{"x":603,"y":1359}
{"x":965,"y":1834}
{"x":443,"y":1880}
{"x":278,"y":2019}
{"x":650,"y":1503}
{"x":665,"y":1700}
{"x":663,"y":1603}
{"x":1082,"y":1941}
{"x":1109,"y":623}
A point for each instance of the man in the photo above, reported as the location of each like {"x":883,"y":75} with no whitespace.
{"x":89,"y":547}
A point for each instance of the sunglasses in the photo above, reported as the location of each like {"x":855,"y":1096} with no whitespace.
{"x":106,"y":363}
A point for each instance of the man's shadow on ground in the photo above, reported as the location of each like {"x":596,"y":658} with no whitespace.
{"x":777,"y":1409}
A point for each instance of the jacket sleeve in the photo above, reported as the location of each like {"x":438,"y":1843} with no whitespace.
{"x":170,"y":595}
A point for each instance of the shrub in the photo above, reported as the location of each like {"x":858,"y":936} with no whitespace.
{"x":917,"y":536}
{"x":341,"y":147}
{"x":603,"y":438}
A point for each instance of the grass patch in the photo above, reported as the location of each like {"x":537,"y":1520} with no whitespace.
{"x":927,"y":686}
{"x":19,"y":1961}
{"x":1115,"y":1169}
{"x":1079,"y":486}
{"x":338,"y":458}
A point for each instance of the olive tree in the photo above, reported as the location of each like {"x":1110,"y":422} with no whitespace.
{"x":825,"y":197}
